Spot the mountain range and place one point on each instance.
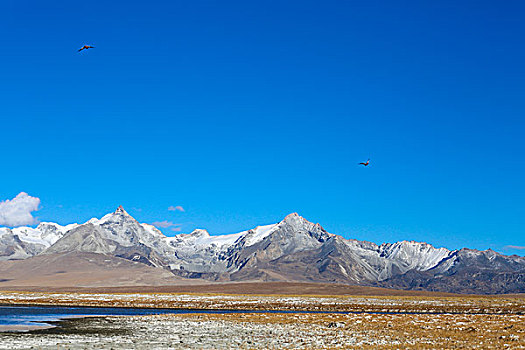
(291, 250)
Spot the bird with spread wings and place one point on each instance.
(85, 47)
(365, 163)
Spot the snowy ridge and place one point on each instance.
(415, 255)
(202, 239)
(293, 249)
(122, 229)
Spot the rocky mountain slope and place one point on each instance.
(291, 250)
(24, 242)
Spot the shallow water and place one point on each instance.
(41, 315)
(26, 317)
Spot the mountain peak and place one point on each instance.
(296, 219)
(294, 223)
(293, 219)
(120, 210)
(198, 233)
(117, 216)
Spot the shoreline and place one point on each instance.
(253, 306)
(43, 324)
(275, 331)
(351, 322)
(22, 328)
(247, 311)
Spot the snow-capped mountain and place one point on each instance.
(116, 234)
(291, 250)
(414, 255)
(24, 242)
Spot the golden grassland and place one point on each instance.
(374, 304)
(388, 331)
(372, 322)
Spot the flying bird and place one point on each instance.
(85, 47)
(365, 164)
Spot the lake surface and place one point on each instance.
(39, 315)
(26, 317)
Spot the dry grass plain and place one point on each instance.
(279, 331)
(373, 331)
(328, 303)
(371, 322)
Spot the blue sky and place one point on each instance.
(242, 112)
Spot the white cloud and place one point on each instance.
(176, 208)
(519, 247)
(17, 211)
(164, 224)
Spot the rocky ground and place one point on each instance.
(279, 331)
(468, 323)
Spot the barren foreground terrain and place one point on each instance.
(277, 331)
(374, 322)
